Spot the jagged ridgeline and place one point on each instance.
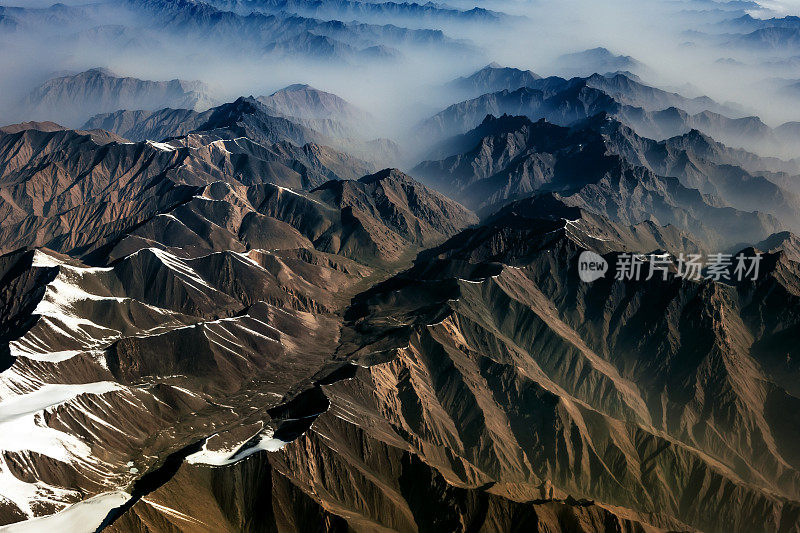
(350, 296)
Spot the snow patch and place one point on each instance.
(85, 516)
(266, 442)
(48, 357)
(43, 260)
(23, 430)
(174, 513)
(22, 426)
(219, 144)
(184, 271)
(56, 312)
(164, 147)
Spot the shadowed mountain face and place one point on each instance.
(602, 166)
(629, 91)
(784, 241)
(559, 105)
(246, 117)
(140, 125)
(652, 112)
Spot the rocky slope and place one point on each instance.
(244, 117)
(218, 334)
(65, 191)
(785, 241)
(486, 388)
(199, 247)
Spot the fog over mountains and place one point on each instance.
(310, 265)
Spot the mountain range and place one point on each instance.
(602, 166)
(291, 35)
(72, 99)
(411, 13)
(298, 114)
(652, 112)
(360, 286)
(279, 33)
(478, 372)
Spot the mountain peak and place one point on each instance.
(695, 134)
(493, 77)
(32, 125)
(492, 124)
(305, 103)
(386, 173)
(100, 71)
(73, 98)
(293, 88)
(244, 104)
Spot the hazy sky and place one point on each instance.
(402, 94)
(778, 8)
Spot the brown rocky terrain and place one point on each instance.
(403, 307)
(486, 388)
(219, 333)
(247, 258)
